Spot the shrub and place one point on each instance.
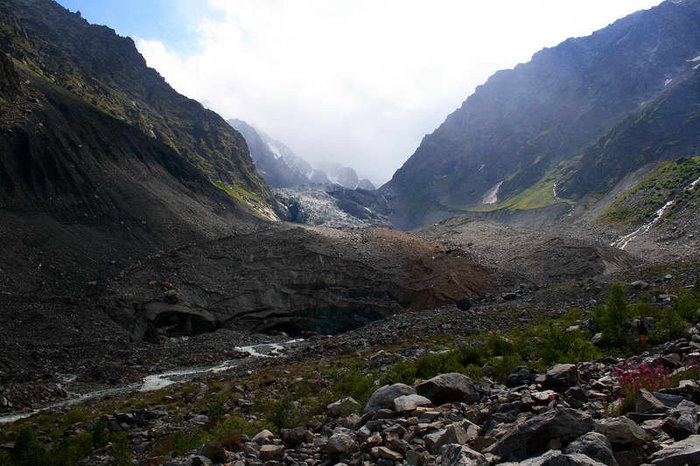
(687, 306)
(28, 450)
(285, 413)
(355, 384)
(614, 319)
(670, 327)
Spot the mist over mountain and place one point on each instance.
(282, 168)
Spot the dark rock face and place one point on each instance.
(519, 125)
(532, 436)
(444, 388)
(595, 446)
(9, 82)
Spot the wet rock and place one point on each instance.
(561, 376)
(385, 396)
(622, 431)
(532, 436)
(685, 452)
(453, 455)
(342, 406)
(521, 375)
(594, 445)
(410, 402)
(341, 444)
(445, 388)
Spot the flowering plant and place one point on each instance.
(644, 376)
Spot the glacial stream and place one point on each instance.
(622, 242)
(159, 380)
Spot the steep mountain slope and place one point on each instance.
(282, 168)
(80, 190)
(512, 141)
(107, 71)
(278, 165)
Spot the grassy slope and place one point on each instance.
(666, 183)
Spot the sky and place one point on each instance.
(358, 82)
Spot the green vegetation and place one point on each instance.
(538, 196)
(667, 182)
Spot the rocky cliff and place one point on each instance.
(521, 133)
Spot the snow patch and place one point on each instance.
(668, 81)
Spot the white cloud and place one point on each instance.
(361, 81)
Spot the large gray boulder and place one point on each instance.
(622, 431)
(561, 376)
(384, 397)
(532, 436)
(445, 388)
(557, 458)
(685, 452)
(594, 445)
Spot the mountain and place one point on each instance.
(276, 163)
(107, 72)
(101, 162)
(282, 168)
(567, 125)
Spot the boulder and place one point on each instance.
(445, 388)
(453, 455)
(384, 397)
(561, 376)
(682, 421)
(646, 402)
(685, 452)
(557, 458)
(341, 444)
(410, 402)
(594, 445)
(533, 436)
(263, 436)
(464, 303)
(521, 375)
(342, 406)
(295, 437)
(622, 431)
(272, 452)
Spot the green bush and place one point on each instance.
(353, 383)
(560, 346)
(285, 414)
(687, 305)
(614, 318)
(671, 327)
